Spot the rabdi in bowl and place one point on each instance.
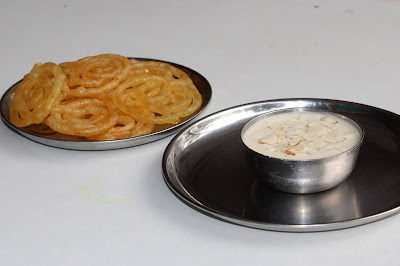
(303, 150)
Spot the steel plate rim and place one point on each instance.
(103, 145)
(322, 227)
(291, 228)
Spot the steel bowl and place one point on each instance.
(304, 176)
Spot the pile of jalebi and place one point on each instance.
(103, 97)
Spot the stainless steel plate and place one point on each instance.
(201, 83)
(207, 167)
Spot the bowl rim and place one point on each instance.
(257, 118)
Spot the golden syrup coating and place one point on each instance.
(103, 97)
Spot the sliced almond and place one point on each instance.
(299, 147)
(329, 120)
(317, 130)
(269, 139)
(295, 140)
(282, 148)
(282, 139)
(284, 127)
(321, 123)
(288, 152)
(334, 137)
(313, 124)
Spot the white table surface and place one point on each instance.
(61, 207)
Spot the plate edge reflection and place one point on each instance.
(321, 227)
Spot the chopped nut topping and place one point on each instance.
(299, 147)
(295, 140)
(334, 137)
(317, 130)
(329, 120)
(289, 152)
(304, 135)
(269, 139)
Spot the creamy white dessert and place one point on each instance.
(301, 135)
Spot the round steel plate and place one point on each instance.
(206, 166)
(201, 83)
